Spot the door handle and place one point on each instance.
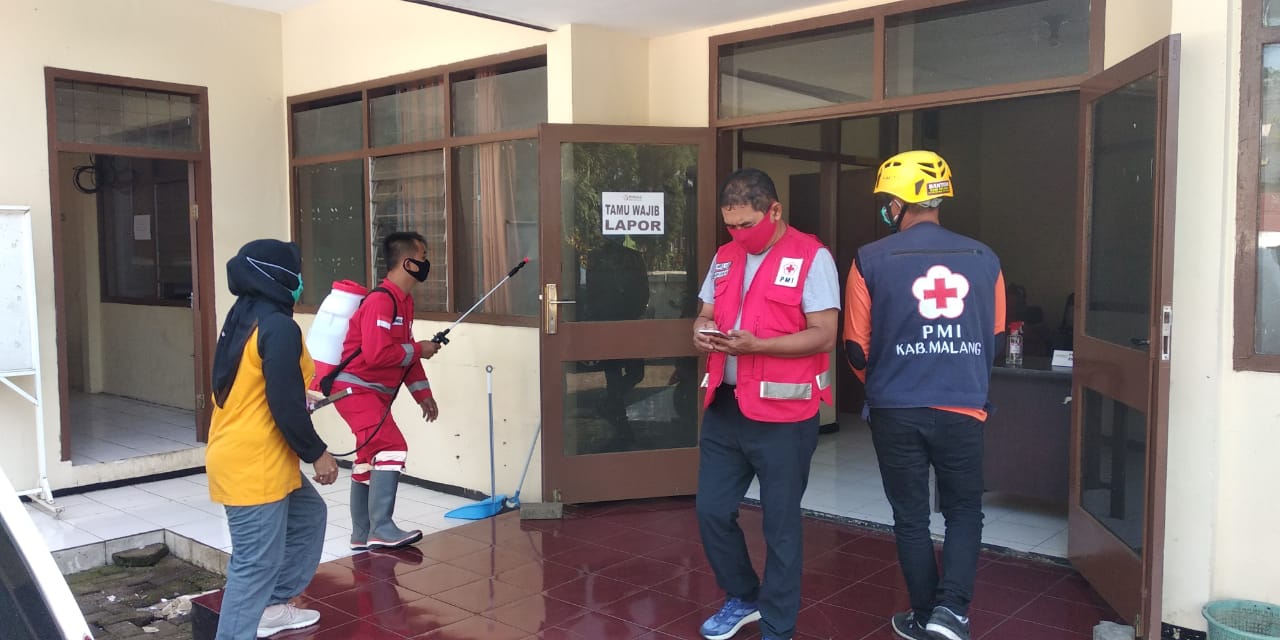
(1140, 342)
(551, 308)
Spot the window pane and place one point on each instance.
(126, 239)
(1122, 214)
(1271, 13)
(101, 114)
(331, 226)
(797, 71)
(497, 225)
(630, 405)
(408, 194)
(615, 275)
(410, 114)
(145, 237)
(977, 44)
(329, 129)
(493, 102)
(1113, 453)
(1267, 317)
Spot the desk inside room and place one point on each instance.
(1028, 436)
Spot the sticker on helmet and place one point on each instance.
(938, 188)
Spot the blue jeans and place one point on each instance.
(275, 551)
(908, 442)
(734, 449)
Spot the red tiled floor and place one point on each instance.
(537, 613)
(636, 571)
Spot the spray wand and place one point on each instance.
(442, 337)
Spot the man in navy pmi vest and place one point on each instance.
(924, 313)
(770, 310)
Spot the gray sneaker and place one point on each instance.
(944, 624)
(906, 625)
(283, 617)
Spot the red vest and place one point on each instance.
(770, 388)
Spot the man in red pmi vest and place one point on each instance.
(382, 330)
(770, 307)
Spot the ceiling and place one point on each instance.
(640, 17)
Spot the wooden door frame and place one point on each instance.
(604, 468)
(200, 187)
(1090, 551)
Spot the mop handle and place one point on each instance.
(529, 459)
(441, 338)
(493, 485)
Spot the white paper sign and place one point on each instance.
(1063, 358)
(629, 213)
(142, 227)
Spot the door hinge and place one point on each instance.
(555, 496)
(1137, 625)
(200, 401)
(1166, 331)
(195, 212)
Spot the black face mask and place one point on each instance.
(424, 267)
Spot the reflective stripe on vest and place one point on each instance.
(794, 390)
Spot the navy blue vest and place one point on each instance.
(932, 318)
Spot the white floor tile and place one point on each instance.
(1023, 534)
(83, 507)
(114, 525)
(414, 510)
(174, 488)
(213, 533)
(434, 498)
(1055, 546)
(65, 536)
(203, 503)
(169, 514)
(126, 498)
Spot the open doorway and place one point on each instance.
(127, 298)
(1015, 165)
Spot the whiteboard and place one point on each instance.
(17, 293)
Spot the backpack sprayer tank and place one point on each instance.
(329, 330)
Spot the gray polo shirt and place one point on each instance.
(821, 292)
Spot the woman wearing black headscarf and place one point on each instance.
(261, 429)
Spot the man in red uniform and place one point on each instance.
(382, 330)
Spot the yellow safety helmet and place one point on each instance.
(915, 177)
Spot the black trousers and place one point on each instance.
(908, 442)
(734, 449)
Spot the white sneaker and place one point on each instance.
(283, 617)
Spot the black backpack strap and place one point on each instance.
(326, 383)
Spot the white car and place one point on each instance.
(35, 603)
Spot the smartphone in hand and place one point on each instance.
(714, 333)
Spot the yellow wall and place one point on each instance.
(338, 42)
(1134, 24)
(236, 54)
(147, 354)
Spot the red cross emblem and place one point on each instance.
(941, 293)
(790, 268)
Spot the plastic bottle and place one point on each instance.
(1013, 353)
(329, 329)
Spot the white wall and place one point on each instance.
(147, 354)
(1222, 421)
(319, 53)
(234, 52)
(338, 42)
